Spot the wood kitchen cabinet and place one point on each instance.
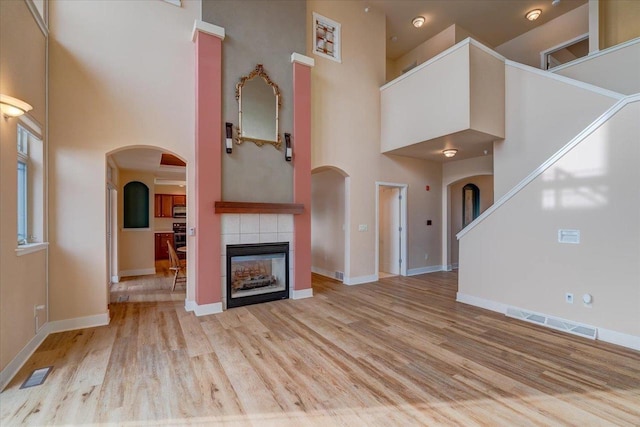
(164, 204)
(162, 251)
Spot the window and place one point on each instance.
(136, 205)
(30, 188)
(470, 204)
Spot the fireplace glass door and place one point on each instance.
(257, 273)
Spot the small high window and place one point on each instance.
(470, 204)
(30, 188)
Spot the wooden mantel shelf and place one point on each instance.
(264, 208)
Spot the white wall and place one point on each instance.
(122, 74)
(542, 115)
(616, 69)
(513, 257)
(527, 47)
(327, 222)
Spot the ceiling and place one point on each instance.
(148, 160)
(492, 22)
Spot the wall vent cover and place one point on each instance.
(339, 275)
(574, 328)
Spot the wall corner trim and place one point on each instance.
(205, 27)
(302, 294)
(206, 309)
(302, 59)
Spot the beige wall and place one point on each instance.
(346, 135)
(616, 69)
(619, 21)
(22, 279)
(513, 257)
(118, 78)
(542, 115)
(527, 47)
(327, 222)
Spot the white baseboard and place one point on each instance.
(302, 293)
(78, 323)
(360, 279)
(137, 272)
(115, 279)
(482, 303)
(27, 351)
(618, 338)
(190, 305)
(424, 270)
(606, 335)
(12, 368)
(206, 309)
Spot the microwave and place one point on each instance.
(179, 211)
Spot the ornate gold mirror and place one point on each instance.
(258, 106)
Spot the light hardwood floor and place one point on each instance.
(152, 287)
(399, 352)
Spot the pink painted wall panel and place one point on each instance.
(208, 185)
(302, 173)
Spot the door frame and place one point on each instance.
(403, 225)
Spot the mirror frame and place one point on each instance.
(258, 72)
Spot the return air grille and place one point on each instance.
(553, 323)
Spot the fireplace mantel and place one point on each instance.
(258, 208)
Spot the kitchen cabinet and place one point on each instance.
(164, 203)
(162, 251)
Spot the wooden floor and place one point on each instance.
(151, 287)
(399, 352)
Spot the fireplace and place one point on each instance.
(257, 273)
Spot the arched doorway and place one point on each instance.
(329, 219)
(136, 253)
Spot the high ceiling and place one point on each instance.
(148, 160)
(491, 21)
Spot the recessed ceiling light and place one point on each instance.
(532, 15)
(450, 152)
(418, 21)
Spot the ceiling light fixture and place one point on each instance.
(13, 107)
(449, 152)
(532, 15)
(418, 21)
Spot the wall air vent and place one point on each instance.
(339, 275)
(553, 323)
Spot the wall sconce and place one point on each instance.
(229, 140)
(287, 145)
(13, 107)
(450, 152)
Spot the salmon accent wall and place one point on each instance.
(208, 183)
(302, 168)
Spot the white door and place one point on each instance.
(389, 229)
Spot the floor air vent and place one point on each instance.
(37, 377)
(553, 322)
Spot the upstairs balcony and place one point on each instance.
(454, 100)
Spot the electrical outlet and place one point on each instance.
(568, 297)
(363, 227)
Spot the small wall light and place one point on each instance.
(13, 107)
(534, 14)
(287, 144)
(229, 140)
(418, 21)
(450, 152)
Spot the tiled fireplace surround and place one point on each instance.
(255, 228)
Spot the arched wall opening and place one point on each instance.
(456, 217)
(329, 219)
(136, 252)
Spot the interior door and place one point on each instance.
(389, 230)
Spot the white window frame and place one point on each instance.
(31, 218)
